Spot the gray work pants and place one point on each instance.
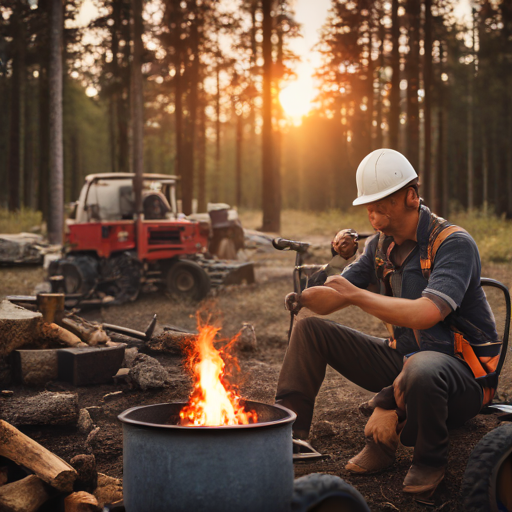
(439, 390)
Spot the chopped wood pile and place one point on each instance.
(49, 477)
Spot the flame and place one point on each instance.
(214, 400)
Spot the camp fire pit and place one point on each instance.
(169, 467)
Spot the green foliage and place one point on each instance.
(19, 221)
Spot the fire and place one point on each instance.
(214, 401)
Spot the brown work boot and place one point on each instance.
(381, 443)
(422, 479)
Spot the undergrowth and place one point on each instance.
(492, 233)
(24, 220)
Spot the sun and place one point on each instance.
(296, 99)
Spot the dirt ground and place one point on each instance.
(338, 426)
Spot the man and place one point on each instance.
(437, 369)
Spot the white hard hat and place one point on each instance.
(381, 173)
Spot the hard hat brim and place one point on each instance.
(364, 199)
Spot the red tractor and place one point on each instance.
(110, 251)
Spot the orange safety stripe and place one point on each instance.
(464, 348)
(441, 237)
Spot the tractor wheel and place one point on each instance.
(80, 273)
(125, 271)
(187, 280)
(486, 482)
(322, 493)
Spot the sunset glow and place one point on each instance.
(296, 99)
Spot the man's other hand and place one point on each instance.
(292, 302)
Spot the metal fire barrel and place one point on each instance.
(172, 468)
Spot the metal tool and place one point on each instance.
(282, 244)
(144, 336)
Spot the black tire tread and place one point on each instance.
(311, 490)
(202, 277)
(476, 483)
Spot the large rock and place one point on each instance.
(146, 372)
(18, 327)
(36, 367)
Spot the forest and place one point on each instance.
(403, 74)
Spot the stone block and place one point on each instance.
(90, 365)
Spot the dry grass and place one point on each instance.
(493, 234)
(19, 221)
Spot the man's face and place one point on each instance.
(385, 215)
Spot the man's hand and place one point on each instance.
(342, 286)
(292, 302)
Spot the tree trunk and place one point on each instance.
(217, 177)
(427, 106)
(412, 72)
(201, 168)
(371, 72)
(394, 98)
(271, 216)
(379, 136)
(187, 182)
(16, 100)
(137, 104)
(56, 211)
(238, 164)
(29, 187)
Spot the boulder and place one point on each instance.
(146, 372)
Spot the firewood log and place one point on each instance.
(51, 305)
(88, 332)
(46, 408)
(172, 342)
(24, 451)
(81, 502)
(25, 495)
(57, 333)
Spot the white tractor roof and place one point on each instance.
(125, 175)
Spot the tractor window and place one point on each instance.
(104, 200)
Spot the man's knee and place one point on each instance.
(421, 372)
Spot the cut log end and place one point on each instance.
(81, 501)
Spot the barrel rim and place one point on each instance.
(123, 418)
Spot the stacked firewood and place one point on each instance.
(50, 477)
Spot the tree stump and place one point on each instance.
(18, 327)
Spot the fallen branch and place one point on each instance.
(24, 451)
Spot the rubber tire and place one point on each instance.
(319, 492)
(479, 482)
(192, 270)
